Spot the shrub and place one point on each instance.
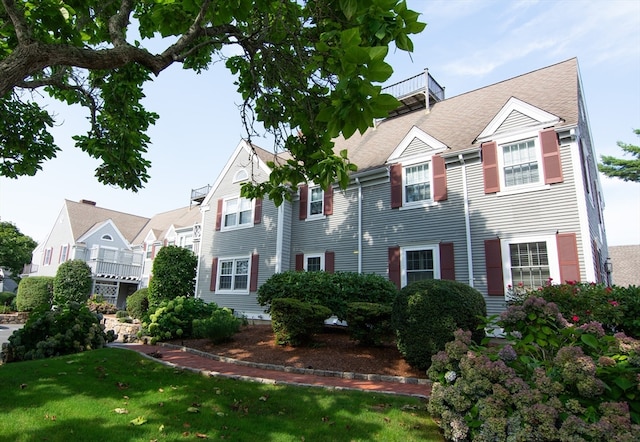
(71, 328)
(72, 282)
(295, 322)
(97, 304)
(219, 327)
(7, 298)
(426, 313)
(34, 293)
(369, 323)
(616, 308)
(174, 274)
(5, 309)
(174, 319)
(548, 380)
(332, 290)
(138, 303)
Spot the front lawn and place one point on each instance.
(117, 395)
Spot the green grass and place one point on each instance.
(75, 397)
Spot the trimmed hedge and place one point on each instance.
(72, 282)
(34, 292)
(369, 323)
(174, 275)
(332, 290)
(294, 322)
(427, 313)
(138, 303)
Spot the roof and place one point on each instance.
(457, 121)
(626, 263)
(162, 222)
(83, 216)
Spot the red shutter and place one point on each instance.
(153, 251)
(60, 254)
(329, 262)
(396, 185)
(257, 211)
(394, 265)
(568, 257)
(551, 162)
(299, 262)
(219, 215)
(490, 167)
(253, 282)
(493, 262)
(447, 263)
(439, 178)
(214, 274)
(328, 201)
(304, 195)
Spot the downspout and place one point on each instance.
(203, 210)
(467, 221)
(279, 238)
(359, 224)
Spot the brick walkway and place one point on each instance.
(216, 366)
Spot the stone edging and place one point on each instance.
(289, 369)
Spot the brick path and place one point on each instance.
(217, 366)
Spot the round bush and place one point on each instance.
(426, 314)
(295, 322)
(34, 293)
(72, 282)
(138, 303)
(7, 298)
(174, 274)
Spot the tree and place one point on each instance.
(308, 70)
(73, 282)
(627, 170)
(15, 248)
(174, 274)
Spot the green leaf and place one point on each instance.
(590, 340)
(348, 7)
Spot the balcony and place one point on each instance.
(198, 195)
(115, 264)
(418, 92)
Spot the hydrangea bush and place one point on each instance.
(546, 380)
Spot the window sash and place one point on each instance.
(314, 264)
(417, 183)
(520, 163)
(529, 264)
(420, 265)
(234, 274)
(237, 212)
(316, 201)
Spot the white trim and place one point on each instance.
(320, 215)
(240, 175)
(421, 203)
(413, 133)
(544, 118)
(236, 226)
(435, 248)
(552, 256)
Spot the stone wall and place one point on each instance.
(127, 332)
(14, 318)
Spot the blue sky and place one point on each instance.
(467, 44)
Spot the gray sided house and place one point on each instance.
(100, 237)
(496, 188)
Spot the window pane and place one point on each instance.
(241, 282)
(417, 183)
(245, 217)
(313, 264)
(419, 265)
(225, 282)
(520, 163)
(315, 201)
(529, 264)
(242, 267)
(226, 268)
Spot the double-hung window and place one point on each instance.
(64, 253)
(417, 183)
(418, 263)
(520, 163)
(316, 201)
(314, 263)
(233, 275)
(47, 256)
(237, 212)
(529, 264)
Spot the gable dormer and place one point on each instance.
(415, 144)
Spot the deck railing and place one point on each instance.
(415, 84)
(115, 270)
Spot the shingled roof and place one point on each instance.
(457, 121)
(160, 223)
(85, 215)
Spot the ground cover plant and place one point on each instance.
(116, 394)
(548, 380)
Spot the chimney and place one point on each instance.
(91, 203)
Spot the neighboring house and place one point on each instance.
(625, 262)
(495, 187)
(179, 227)
(100, 237)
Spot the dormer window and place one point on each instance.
(417, 183)
(520, 163)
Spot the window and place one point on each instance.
(520, 163)
(316, 200)
(107, 237)
(314, 263)
(233, 274)
(417, 183)
(47, 256)
(64, 253)
(529, 264)
(419, 263)
(237, 212)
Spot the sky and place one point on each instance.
(467, 44)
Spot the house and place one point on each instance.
(100, 237)
(496, 187)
